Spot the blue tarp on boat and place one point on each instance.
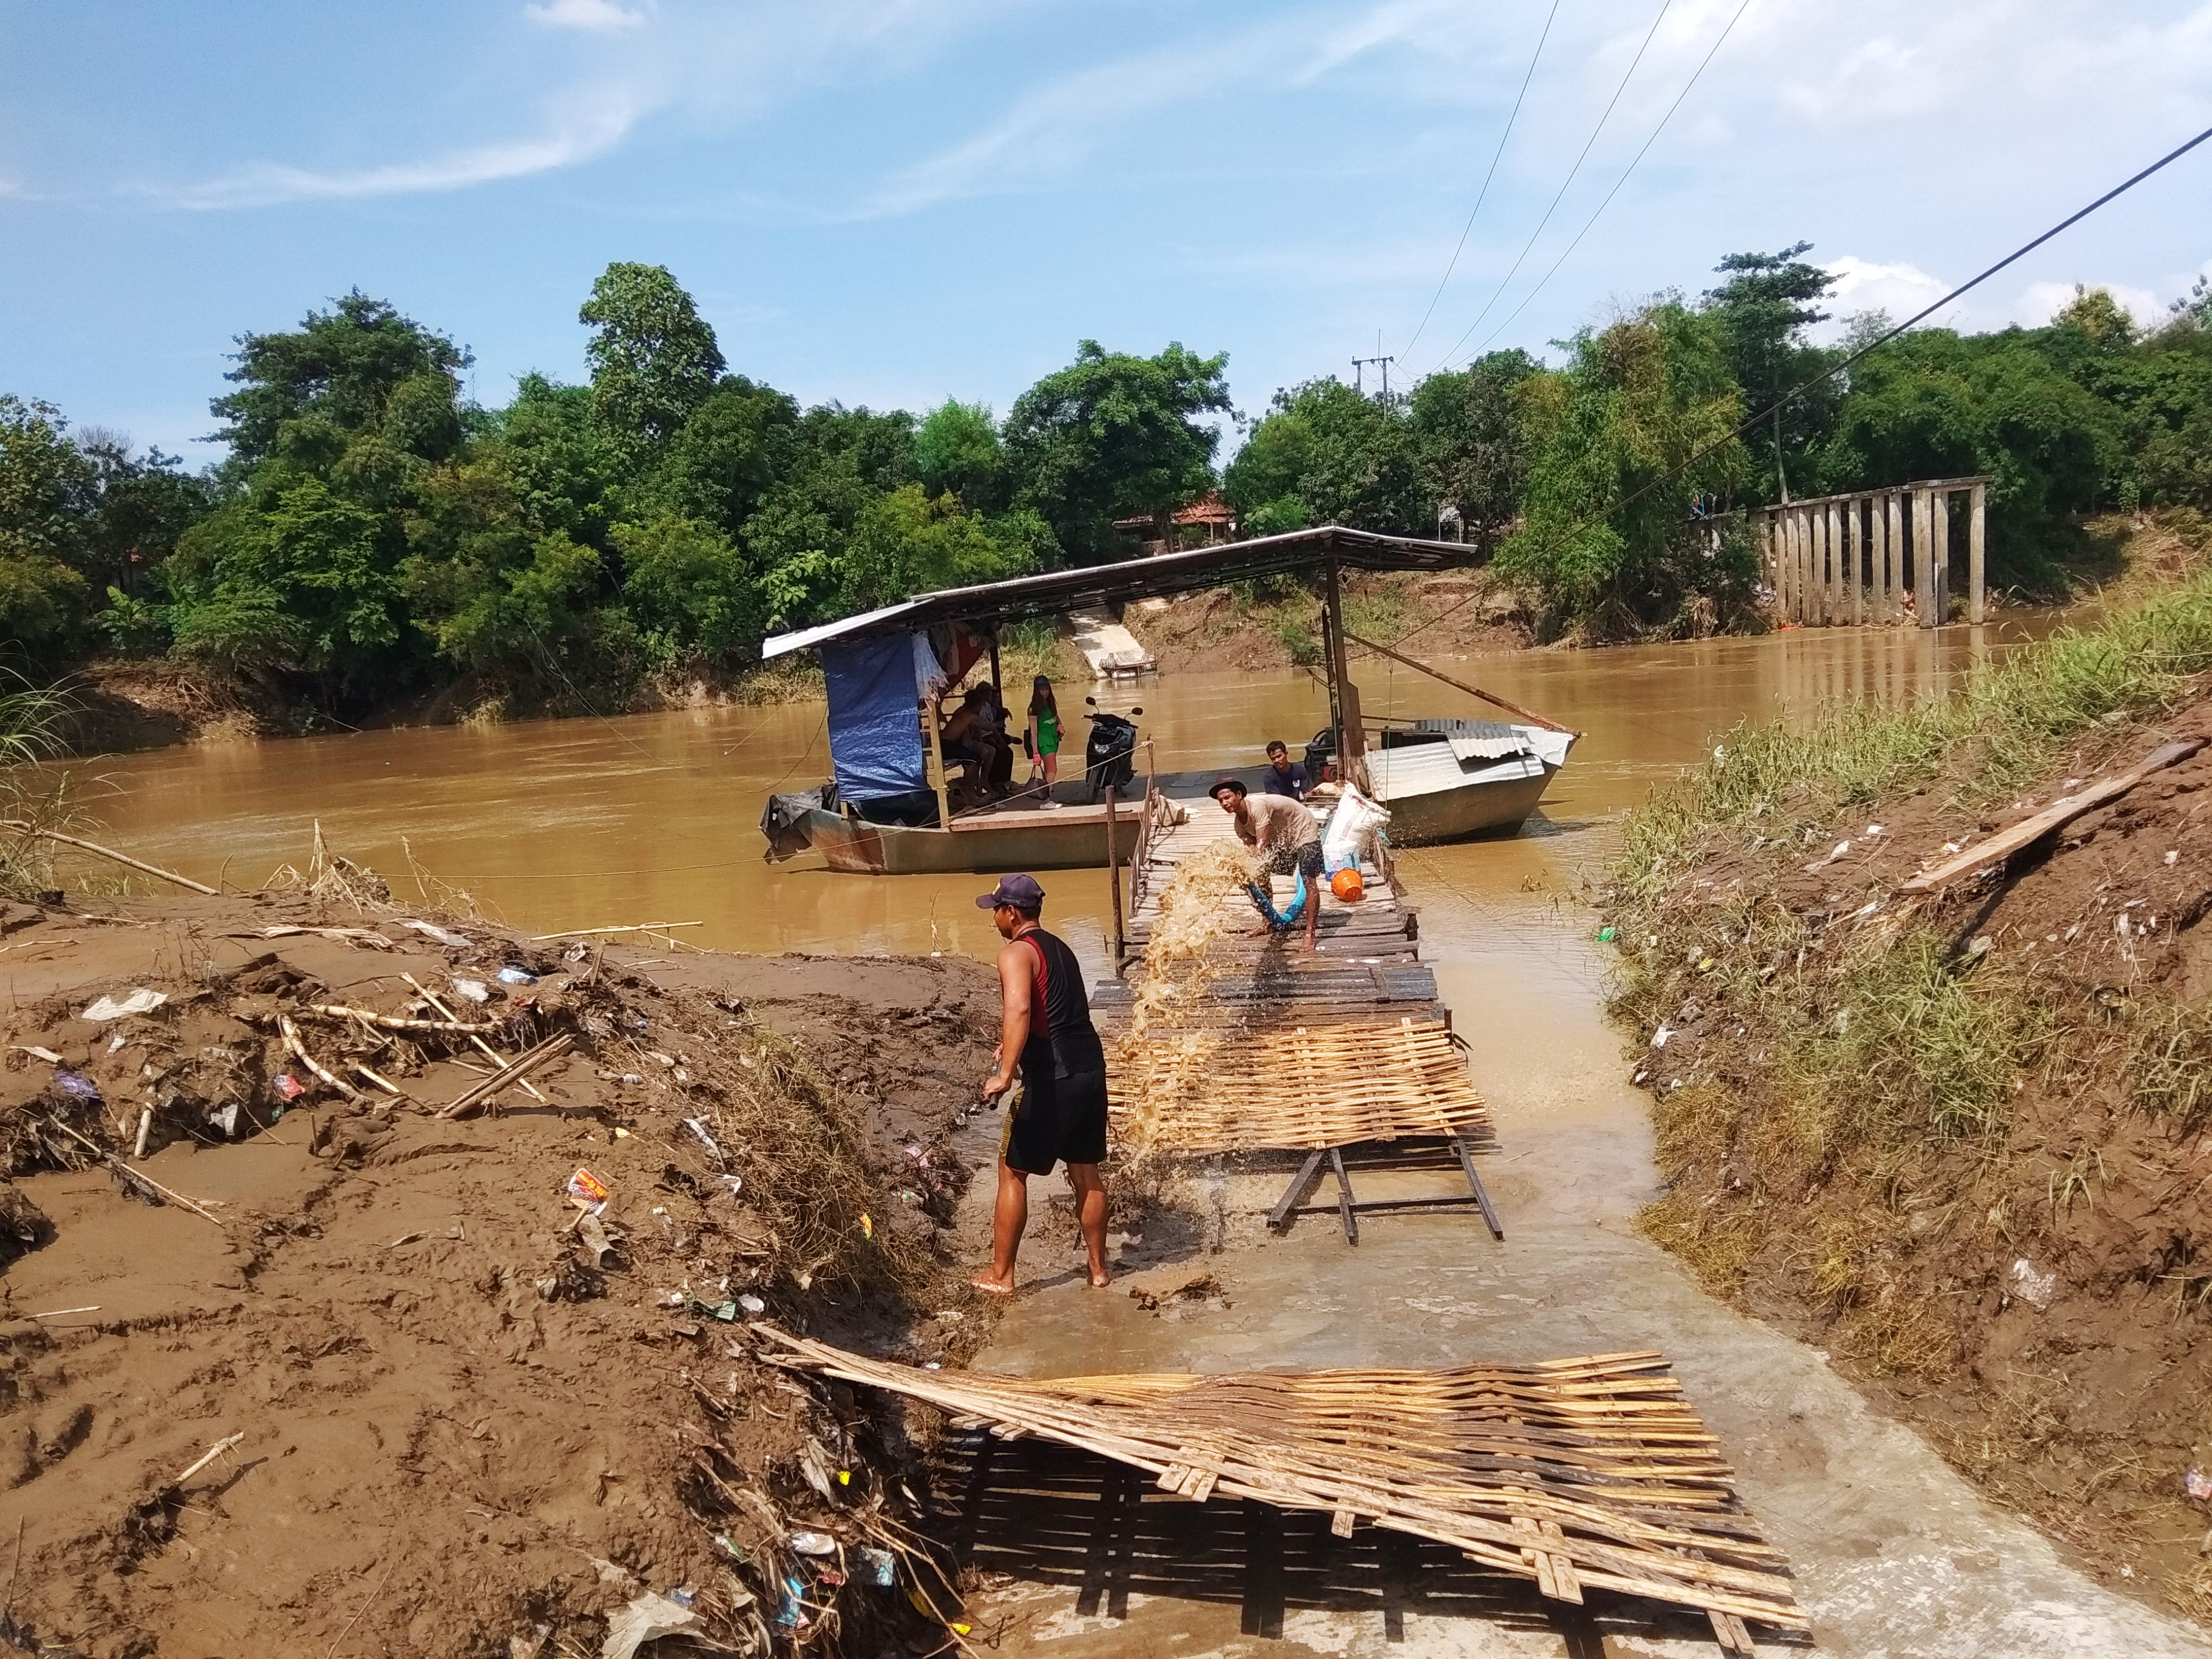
(875, 734)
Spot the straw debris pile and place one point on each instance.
(1576, 1473)
(1166, 1043)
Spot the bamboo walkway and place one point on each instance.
(1591, 1472)
(1287, 1051)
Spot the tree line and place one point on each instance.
(371, 529)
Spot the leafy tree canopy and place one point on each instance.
(654, 358)
(1113, 436)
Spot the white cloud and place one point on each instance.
(2044, 301)
(597, 16)
(265, 184)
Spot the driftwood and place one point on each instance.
(640, 928)
(129, 1174)
(213, 1452)
(367, 936)
(529, 1060)
(381, 1082)
(106, 852)
(1585, 1472)
(2055, 815)
(299, 1053)
(399, 1022)
(489, 1053)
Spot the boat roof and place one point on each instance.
(1050, 592)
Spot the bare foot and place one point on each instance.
(1100, 1281)
(991, 1285)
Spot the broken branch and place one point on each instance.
(106, 852)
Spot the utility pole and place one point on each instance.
(1358, 364)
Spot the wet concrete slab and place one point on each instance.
(1895, 1553)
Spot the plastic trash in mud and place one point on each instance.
(725, 1311)
(1605, 936)
(791, 1615)
(517, 976)
(431, 930)
(140, 1001)
(2195, 1484)
(588, 1189)
(2038, 1287)
(475, 990)
(867, 1226)
(707, 1140)
(77, 1086)
(226, 1120)
(873, 1566)
(812, 1543)
(649, 1617)
(752, 1305)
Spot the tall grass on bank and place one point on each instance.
(2016, 715)
(31, 721)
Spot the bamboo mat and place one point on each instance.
(1283, 1087)
(1591, 1472)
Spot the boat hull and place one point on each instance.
(1434, 797)
(1073, 838)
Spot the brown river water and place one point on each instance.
(653, 818)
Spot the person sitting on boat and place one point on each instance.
(1060, 1115)
(1288, 838)
(974, 732)
(1283, 776)
(1044, 733)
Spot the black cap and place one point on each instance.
(1020, 892)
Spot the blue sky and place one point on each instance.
(887, 203)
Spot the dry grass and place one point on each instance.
(1163, 1037)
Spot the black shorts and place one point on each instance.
(1059, 1117)
(1304, 858)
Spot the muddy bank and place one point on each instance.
(1958, 1139)
(1264, 625)
(468, 1414)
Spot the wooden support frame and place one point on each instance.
(1348, 1206)
(1851, 559)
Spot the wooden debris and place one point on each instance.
(213, 1452)
(367, 936)
(2055, 815)
(129, 1174)
(639, 927)
(1579, 1473)
(291, 1033)
(106, 852)
(383, 1082)
(497, 1059)
(529, 1060)
(401, 1021)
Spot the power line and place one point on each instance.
(2013, 257)
(1569, 180)
(1452, 264)
(1618, 182)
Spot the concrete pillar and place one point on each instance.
(1855, 554)
(1893, 518)
(1924, 555)
(1878, 558)
(1976, 551)
(1941, 514)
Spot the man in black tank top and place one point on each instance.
(1061, 1117)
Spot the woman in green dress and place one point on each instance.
(1044, 732)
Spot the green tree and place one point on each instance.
(654, 358)
(341, 367)
(910, 542)
(1113, 436)
(1472, 443)
(1607, 538)
(1326, 454)
(724, 456)
(1763, 310)
(47, 493)
(958, 452)
(688, 588)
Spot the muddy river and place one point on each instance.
(652, 818)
